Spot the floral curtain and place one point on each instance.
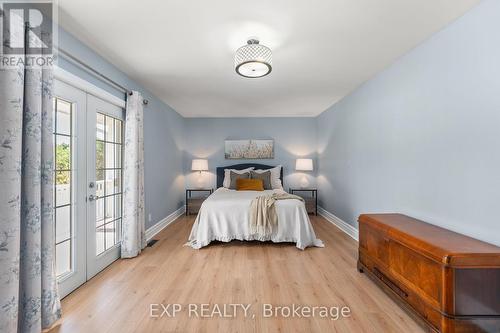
(133, 238)
(28, 286)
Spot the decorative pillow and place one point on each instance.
(249, 184)
(235, 176)
(227, 176)
(264, 176)
(275, 177)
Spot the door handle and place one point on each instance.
(93, 197)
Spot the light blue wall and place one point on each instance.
(163, 133)
(171, 141)
(293, 138)
(423, 136)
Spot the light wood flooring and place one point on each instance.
(118, 299)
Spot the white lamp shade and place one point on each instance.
(304, 164)
(199, 165)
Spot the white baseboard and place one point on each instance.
(153, 230)
(339, 223)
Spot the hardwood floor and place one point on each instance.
(118, 299)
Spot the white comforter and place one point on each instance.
(224, 216)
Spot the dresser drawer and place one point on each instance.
(420, 273)
(375, 242)
(417, 272)
(400, 289)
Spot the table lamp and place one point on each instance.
(199, 165)
(304, 164)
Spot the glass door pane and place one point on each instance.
(108, 181)
(69, 106)
(104, 171)
(63, 189)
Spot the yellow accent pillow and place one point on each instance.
(244, 184)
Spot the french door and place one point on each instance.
(88, 139)
(104, 179)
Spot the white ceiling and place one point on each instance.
(183, 50)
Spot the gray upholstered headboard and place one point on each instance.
(220, 170)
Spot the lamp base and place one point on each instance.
(304, 183)
(199, 181)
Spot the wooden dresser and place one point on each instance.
(449, 281)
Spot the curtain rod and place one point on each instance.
(94, 72)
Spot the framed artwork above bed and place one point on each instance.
(249, 149)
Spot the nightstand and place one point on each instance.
(311, 201)
(193, 204)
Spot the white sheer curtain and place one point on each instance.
(133, 238)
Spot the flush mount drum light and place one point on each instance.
(253, 60)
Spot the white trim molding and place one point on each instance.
(77, 82)
(339, 223)
(159, 226)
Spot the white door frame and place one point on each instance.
(78, 98)
(96, 263)
(79, 91)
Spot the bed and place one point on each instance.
(224, 216)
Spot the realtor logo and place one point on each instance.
(27, 28)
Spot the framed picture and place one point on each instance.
(249, 149)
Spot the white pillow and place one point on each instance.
(275, 177)
(227, 175)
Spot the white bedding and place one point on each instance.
(224, 216)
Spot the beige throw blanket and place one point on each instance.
(263, 216)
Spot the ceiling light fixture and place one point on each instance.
(253, 60)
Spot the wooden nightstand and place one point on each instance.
(193, 204)
(310, 201)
